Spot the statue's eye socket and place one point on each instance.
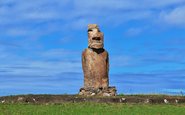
(90, 30)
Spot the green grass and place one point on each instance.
(92, 109)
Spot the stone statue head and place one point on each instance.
(95, 37)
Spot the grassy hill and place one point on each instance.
(79, 105)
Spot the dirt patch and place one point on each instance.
(58, 99)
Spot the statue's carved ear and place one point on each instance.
(84, 58)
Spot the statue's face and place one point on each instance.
(95, 38)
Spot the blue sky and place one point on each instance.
(41, 43)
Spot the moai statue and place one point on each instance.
(95, 64)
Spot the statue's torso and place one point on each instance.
(95, 67)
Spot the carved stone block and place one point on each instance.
(95, 64)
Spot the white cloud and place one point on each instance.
(175, 17)
(123, 61)
(75, 14)
(153, 4)
(60, 54)
(179, 91)
(133, 32)
(46, 68)
(67, 61)
(124, 4)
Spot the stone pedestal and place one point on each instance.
(110, 91)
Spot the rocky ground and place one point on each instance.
(57, 99)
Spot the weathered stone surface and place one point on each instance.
(110, 91)
(95, 61)
(95, 37)
(95, 64)
(95, 67)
